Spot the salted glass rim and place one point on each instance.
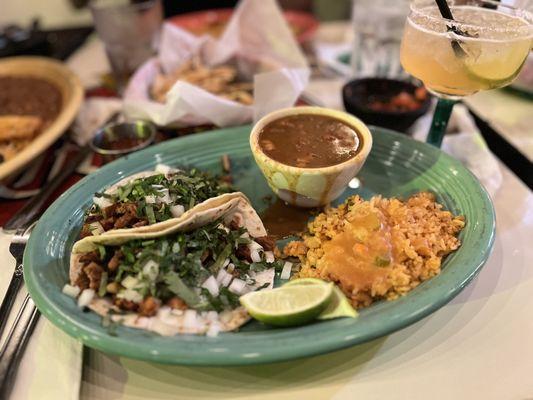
(418, 7)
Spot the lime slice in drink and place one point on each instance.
(490, 78)
(491, 69)
(338, 307)
(288, 305)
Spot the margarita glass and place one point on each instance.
(483, 48)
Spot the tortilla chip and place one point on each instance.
(11, 148)
(19, 127)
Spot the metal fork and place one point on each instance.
(15, 344)
(16, 248)
(25, 321)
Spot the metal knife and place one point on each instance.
(27, 315)
(22, 222)
(32, 209)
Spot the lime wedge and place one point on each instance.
(338, 307)
(488, 78)
(489, 69)
(288, 305)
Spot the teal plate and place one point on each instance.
(397, 166)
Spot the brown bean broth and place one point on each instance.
(309, 141)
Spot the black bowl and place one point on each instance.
(358, 93)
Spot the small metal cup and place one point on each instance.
(143, 130)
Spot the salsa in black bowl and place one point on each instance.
(388, 103)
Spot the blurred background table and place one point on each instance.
(505, 119)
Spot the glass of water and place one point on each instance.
(378, 27)
(130, 32)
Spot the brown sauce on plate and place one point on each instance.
(309, 141)
(282, 220)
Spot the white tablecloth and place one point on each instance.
(479, 346)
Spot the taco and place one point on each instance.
(185, 278)
(148, 198)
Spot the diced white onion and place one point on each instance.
(255, 246)
(150, 199)
(151, 270)
(177, 210)
(254, 254)
(286, 271)
(130, 295)
(211, 285)
(269, 257)
(227, 280)
(85, 298)
(223, 278)
(221, 275)
(211, 316)
(72, 291)
(213, 330)
(190, 319)
(96, 228)
(245, 235)
(222, 227)
(226, 263)
(248, 279)
(165, 196)
(248, 288)
(237, 286)
(101, 202)
(129, 282)
(163, 169)
(264, 277)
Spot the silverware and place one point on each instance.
(28, 315)
(30, 173)
(15, 343)
(25, 321)
(16, 248)
(23, 222)
(32, 209)
(11, 194)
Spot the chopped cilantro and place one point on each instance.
(150, 214)
(186, 260)
(180, 289)
(103, 284)
(381, 261)
(101, 251)
(186, 188)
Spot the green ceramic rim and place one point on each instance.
(397, 165)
